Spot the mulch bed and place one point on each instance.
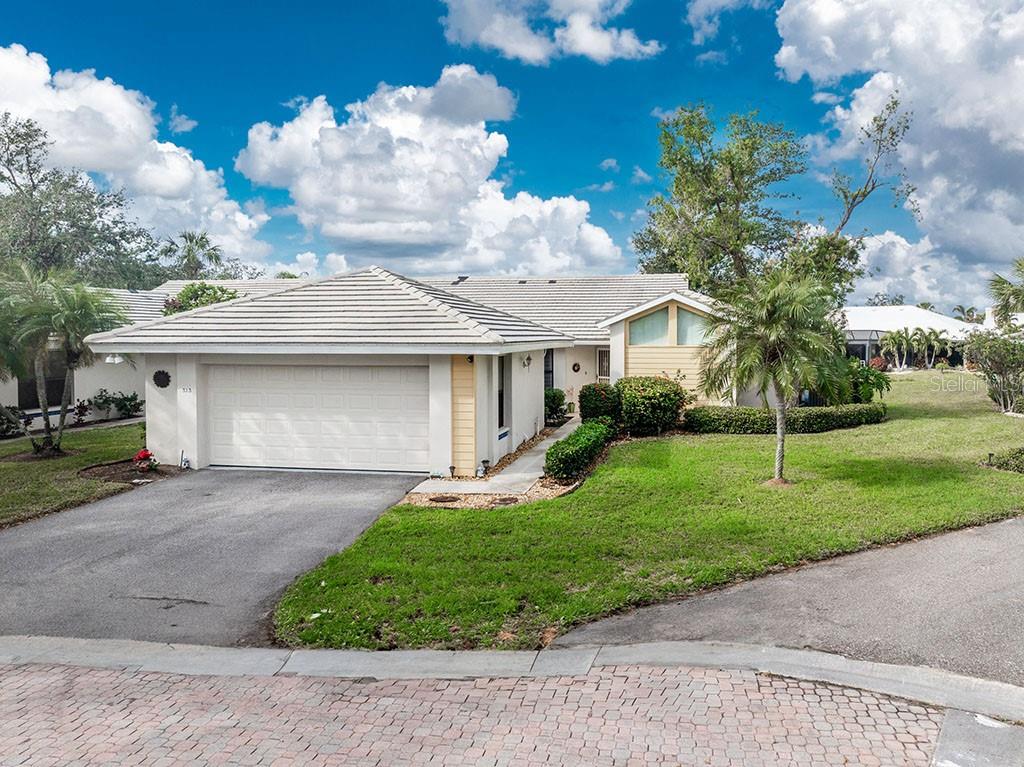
(543, 489)
(126, 473)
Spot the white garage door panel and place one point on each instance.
(346, 417)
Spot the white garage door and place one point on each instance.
(346, 417)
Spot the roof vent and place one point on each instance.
(522, 282)
(552, 282)
(461, 278)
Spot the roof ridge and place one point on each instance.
(410, 286)
(210, 307)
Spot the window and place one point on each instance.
(649, 330)
(689, 328)
(604, 363)
(549, 368)
(56, 371)
(501, 393)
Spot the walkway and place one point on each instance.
(515, 479)
(952, 601)
(90, 702)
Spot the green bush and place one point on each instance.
(8, 429)
(569, 457)
(599, 400)
(554, 406)
(714, 419)
(198, 294)
(1010, 460)
(649, 404)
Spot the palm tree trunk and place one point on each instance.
(780, 434)
(39, 365)
(65, 402)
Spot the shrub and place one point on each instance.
(570, 457)
(554, 406)
(879, 363)
(712, 419)
(597, 400)
(650, 405)
(1010, 460)
(1000, 359)
(103, 402)
(8, 429)
(127, 405)
(81, 410)
(866, 381)
(197, 294)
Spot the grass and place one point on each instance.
(661, 518)
(31, 488)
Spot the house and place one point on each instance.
(114, 374)
(371, 370)
(865, 326)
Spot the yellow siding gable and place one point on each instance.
(667, 361)
(463, 416)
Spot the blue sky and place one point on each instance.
(231, 67)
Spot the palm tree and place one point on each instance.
(926, 305)
(773, 334)
(938, 342)
(193, 253)
(51, 311)
(966, 313)
(1009, 296)
(898, 343)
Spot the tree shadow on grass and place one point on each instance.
(901, 474)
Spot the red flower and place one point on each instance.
(142, 455)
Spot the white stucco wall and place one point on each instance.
(122, 377)
(571, 381)
(9, 392)
(618, 351)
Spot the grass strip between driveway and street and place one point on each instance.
(30, 488)
(662, 518)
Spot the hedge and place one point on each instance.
(570, 457)
(599, 400)
(711, 419)
(1010, 460)
(649, 404)
(554, 406)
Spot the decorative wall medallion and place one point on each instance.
(162, 379)
(575, 367)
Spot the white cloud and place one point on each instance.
(703, 16)
(618, 215)
(408, 176)
(638, 215)
(181, 122)
(713, 58)
(536, 32)
(959, 65)
(610, 164)
(102, 127)
(607, 186)
(826, 97)
(640, 176)
(920, 271)
(309, 264)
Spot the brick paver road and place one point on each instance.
(55, 715)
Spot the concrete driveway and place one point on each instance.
(953, 601)
(199, 558)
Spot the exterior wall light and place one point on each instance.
(527, 361)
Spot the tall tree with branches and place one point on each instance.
(721, 218)
(773, 333)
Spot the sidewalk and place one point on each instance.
(118, 702)
(515, 479)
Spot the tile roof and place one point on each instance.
(242, 287)
(571, 305)
(372, 307)
(139, 305)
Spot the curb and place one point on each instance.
(927, 685)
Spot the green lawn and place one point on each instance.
(661, 518)
(31, 488)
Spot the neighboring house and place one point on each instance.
(371, 370)
(111, 372)
(865, 326)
